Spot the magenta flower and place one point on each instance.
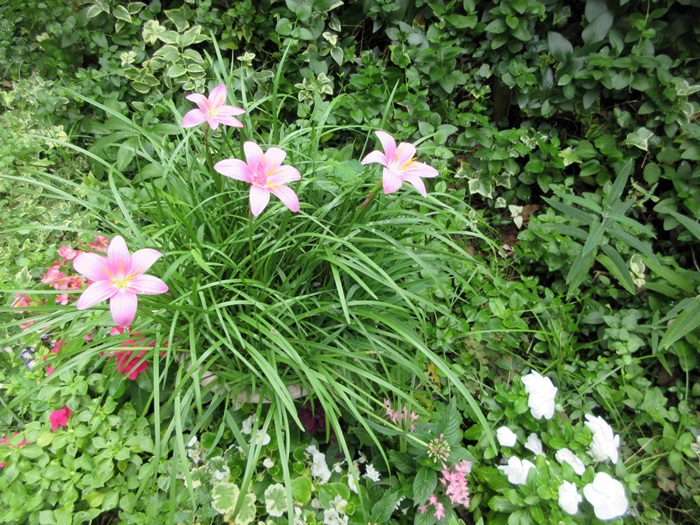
(399, 164)
(264, 171)
(59, 418)
(212, 110)
(118, 277)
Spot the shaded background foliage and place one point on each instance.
(580, 119)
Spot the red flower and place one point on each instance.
(59, 418)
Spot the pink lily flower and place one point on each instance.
(265, 173)
(399, 164)
(118, 277)
(212, 110)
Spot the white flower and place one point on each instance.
(372, 473)
(222, 474)
(517, 470)
(268, 463)
(338, 467)
(506, 437)
(541, 393)
(319, 467)
(362, 458)
(261, 438)
(333, 517)
(247, 425)
(607, 495)
(192, 442)
(605, 443)
(352, 483)
(339, 504)
(566, 456)
(534, 444)
(569, 498)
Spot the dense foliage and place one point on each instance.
(561, 236)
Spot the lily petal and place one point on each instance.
(417, 182)
(234, 168)
(201, 101)
(92, 266)
(283, 175)
(148, 285)
(193, 118)
(422, 170)
(287, 196)
(96, 293)
(259, 198)
(391, 181)
(253, 154)
(229, 111)
(229, 121)
(274, 157)
(375, 156)
(217, 96)
(123, 306)
(142, 260)
(118, 257)
(388, 143)
(405, 153)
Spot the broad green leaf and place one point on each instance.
(224, 497)
(692, 226)
(686, 322)
(384, 508)
(595, 236)
(122, 13)
(598, 29)
(570, 211)
(640, 138)
(560, 48)
(424, 484)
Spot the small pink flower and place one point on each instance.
(63, 298)
(59, 418)
(120, 278)
(100, 244)
(439, 507)
(399, 164)
(21, 300)
(212, 110)
(265, 173)
(67, 253)
(54, 277)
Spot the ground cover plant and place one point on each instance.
(361, 262)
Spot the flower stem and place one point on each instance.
(210, 163)
(251, 247)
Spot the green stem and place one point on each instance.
(251, 247)
(210, 163)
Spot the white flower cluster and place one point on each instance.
(319, 467)
(336, 514)
(605, 494)
(260, 438)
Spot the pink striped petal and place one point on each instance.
(213, 123)
(123, 307)
(201, 101)
(148, 284)
(92, 266)
(118, 258)
(234, 168)
(422, 170)
(375, 156)
(142, 260)
(287, 196)
(217, 96)
(253, 154)
(229, 121)
(96, 293)
(193, 118)
(283, 175)
(259, 197)
(388, 143)
(391, 181)
(274, 157)
(229, 111)
(416, 181)
(405, 153)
